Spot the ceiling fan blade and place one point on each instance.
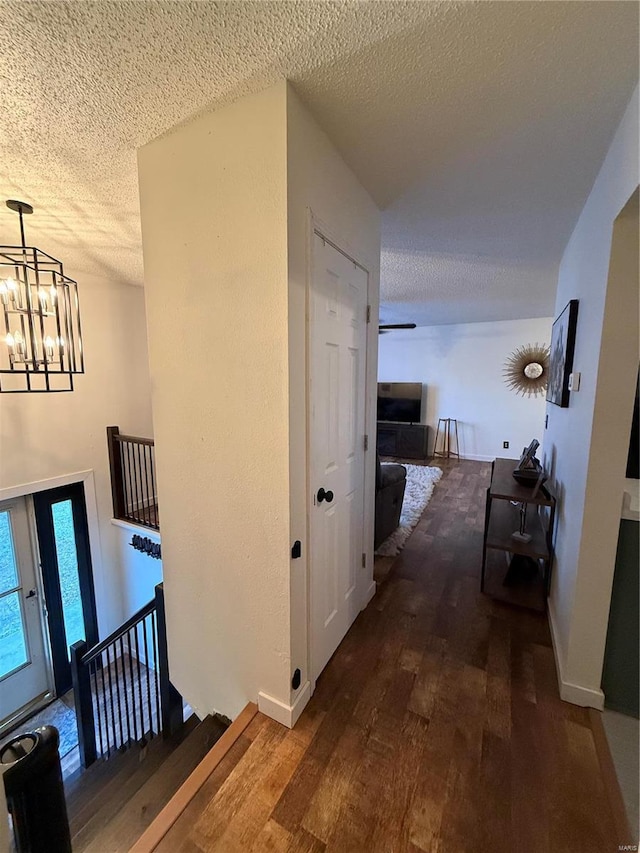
(397, 326)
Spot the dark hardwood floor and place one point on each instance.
(436, 726)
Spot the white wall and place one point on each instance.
(140, 572)
(43, 436)
(321, 186)
(213, 203)
(461, 367)
(226, 205)
(587, 443)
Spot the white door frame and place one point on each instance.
(317, 227)
(26, 490)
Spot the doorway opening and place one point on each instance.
(47, 599)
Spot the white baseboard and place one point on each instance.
(477, 458)
(282, 713)
(586, 697)
(369, 594)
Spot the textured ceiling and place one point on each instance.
(477, 127)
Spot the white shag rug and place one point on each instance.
(418, 490)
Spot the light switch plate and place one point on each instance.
(574, 381)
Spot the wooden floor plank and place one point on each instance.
(437, 726)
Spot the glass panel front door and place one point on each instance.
(24, 670)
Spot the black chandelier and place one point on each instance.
(42, 346)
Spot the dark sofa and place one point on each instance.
(390, 484)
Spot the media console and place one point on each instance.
(404, 441)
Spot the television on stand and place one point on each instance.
(400, 402)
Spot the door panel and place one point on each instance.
(63, 536)
(24, 673)
(337, 359)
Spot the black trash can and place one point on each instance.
(35, 793)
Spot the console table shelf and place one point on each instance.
(502, 519)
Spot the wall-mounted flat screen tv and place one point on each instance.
(400, 402)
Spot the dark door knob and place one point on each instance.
(31, 594)
(324, 496)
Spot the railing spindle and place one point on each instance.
(133, 687)
(153, 487)
(142, 456)
(140, 702)
(145, 470)
(127, 456)
(104, 707)
(154, 631)
(111, 707)
(146, 660)
(118, 702)
(124, 689)
(96, 702)
(142, 510)
(136, 506)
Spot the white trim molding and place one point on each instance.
(371, 591)
(586, 697)
(137, 528)
(287, 715)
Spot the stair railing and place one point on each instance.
(133, 478)
(121, 686)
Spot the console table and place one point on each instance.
(404, 441)
(502, 518)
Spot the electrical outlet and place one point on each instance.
(505, 444)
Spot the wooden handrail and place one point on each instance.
(138, 616)
(135, 439)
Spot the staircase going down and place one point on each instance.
(110, 804)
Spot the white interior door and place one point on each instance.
(337, 380)
(24, 670)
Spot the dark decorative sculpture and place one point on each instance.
(146, 546)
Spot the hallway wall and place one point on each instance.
(587, 443)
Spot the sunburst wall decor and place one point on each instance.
(526, 371)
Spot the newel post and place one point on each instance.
(170, 699)
(81, 679)
(115, 467)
